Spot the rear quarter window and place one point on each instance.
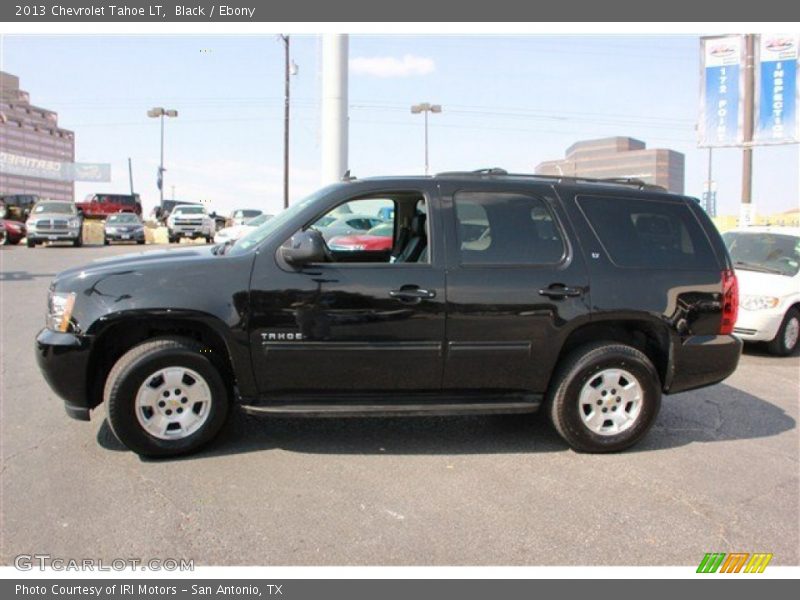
(650, 234)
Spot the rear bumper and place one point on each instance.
(703, 360)
(63, 359)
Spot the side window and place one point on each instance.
(390, 229)
(354, 232)
(506, 228)
(648, 233)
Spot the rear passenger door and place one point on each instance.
(515, 284)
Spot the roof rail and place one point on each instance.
(497, 172)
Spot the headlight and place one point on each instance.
(30, 224)
(759, 302)
(59, 310)
(74, 223)
(111, 229)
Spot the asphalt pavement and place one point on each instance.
(718, 473)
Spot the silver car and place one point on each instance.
(331, 226)
(54, 221)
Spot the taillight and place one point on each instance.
(730, 302)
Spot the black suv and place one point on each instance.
(484, 292)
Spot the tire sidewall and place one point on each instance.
(585, 371)
(785, 350)
(122, 403)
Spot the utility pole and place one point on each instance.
(286, 104)
(747, 214)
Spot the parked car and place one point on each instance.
(242, 215)
(54, 221)
(14, 230)
(591, 300)
(190, 221)
(2, 233)
(767, 262)
(346, 224)
(376, 239)
(233, 233)
(123, 227)
(17, 207)
(102, 205)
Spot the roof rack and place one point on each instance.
(498, 172)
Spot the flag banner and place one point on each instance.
(721, 94)
(776, 94)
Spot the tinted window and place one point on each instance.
(767, 252)
(506, 228)
(648, 233)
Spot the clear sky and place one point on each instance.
(508, 101)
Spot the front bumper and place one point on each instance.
(53, 236)
(758, 325)
(702, 360)
(63, 359)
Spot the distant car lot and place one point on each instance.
(718, 472)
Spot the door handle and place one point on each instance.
(412, 293)
(557, 290)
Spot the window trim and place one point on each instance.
(566, 253)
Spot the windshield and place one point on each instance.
(189, 210)
(255, 237)
(257, 221)
(123, 218)
(61, 208)
(768, 252)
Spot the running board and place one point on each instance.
(362, 407)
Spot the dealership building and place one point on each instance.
(30, 139)
(619, 157)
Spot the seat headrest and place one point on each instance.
(418, 224)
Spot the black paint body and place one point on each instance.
(331, 329)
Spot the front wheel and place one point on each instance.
(788, 337)
(78, 242)
(165, 398)
(30, 243)
(604, 397)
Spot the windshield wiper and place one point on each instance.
(756, 267)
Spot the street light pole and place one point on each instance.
(425, 108)
(159, 113)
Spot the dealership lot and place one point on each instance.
(719, 472)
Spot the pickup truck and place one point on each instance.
(190, 221)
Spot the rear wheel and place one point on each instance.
(788, 337)
(604, 397)
(165, 398)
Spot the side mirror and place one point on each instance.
(304, 247)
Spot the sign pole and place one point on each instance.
(746, 215)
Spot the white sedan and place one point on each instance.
(233, 233)
(767, 263)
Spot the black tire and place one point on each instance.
(78, 242)
(778, 346)
(106, 241)
(130, 372)
(579, 368)
(31, 243)
(140, 242)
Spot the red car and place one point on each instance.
(15, 231)
(102, 205)
(379, 238)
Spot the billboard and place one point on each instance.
(26, 166)
(721, 91)
(776, 91)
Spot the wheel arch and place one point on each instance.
(648, 335)
(113, 337)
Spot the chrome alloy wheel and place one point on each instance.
(173, 403)
(791, 333)
(610, 402)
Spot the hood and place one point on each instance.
(755, 283)
(49, 215)
(136, 261)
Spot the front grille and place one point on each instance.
(52, 224)
(189, 222)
